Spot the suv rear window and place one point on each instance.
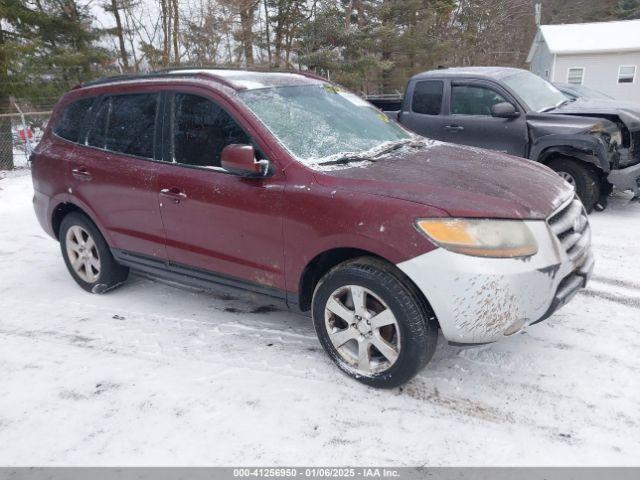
(126, 124)
(427, 97)
(72, 119)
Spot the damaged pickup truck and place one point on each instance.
(593, 144)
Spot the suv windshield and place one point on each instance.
(537, 93)
(318, 123)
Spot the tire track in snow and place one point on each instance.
(629, 301)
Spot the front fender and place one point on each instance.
(586, 147)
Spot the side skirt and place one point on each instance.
(187, 275)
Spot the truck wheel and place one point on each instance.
(87, 255)
(584, 178)
(372, 323)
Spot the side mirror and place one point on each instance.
(241, 160)
(504, 110)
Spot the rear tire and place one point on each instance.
(87, 255)
(584, 177)
(383, 340)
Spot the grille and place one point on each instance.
(571, 226)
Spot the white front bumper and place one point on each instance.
(479, 300)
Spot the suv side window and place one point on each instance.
(427, 97)
(201, 129)
(126, 124)
(473, 100)
(96, 137)
(131, 124)
(72, 119)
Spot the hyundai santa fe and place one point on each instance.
(291, 187)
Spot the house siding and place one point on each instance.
(601, 72)
(542, 61)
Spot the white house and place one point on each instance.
(603, 55)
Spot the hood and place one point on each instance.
(463, 181)
(628, 112)
(541, 124)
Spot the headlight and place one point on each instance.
(616, 138)
(479, 237)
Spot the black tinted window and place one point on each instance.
(201, 130)
(130, 128)
(427, 97)
(473, 100)
(96, 137)
(72, 119)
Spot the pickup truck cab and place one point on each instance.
(592, 145)
(289, 187)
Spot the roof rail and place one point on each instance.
(122, 78)
(192, 72)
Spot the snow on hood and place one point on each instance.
(463, 181)
(629, 112)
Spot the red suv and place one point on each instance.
(291, 187)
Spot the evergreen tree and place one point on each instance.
(45, 48)
(628, 9)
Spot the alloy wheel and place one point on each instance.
(568, 178)
(83, 254)
(363, 329)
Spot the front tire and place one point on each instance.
(584, 178)
(372, 323)
(87, 255)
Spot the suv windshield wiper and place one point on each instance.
(355, 157)
(347, 159)
(394, 146)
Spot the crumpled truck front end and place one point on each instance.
(481, 300)
(625, 171)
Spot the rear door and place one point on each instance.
(469, 120)
(115, 173)
(422, 108)
(219, 226)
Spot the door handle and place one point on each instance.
(174, 193)
(454, 128)
(81, 173)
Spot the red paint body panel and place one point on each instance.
(464, 181)
(123, 191)
(226, 224)
(266, 231)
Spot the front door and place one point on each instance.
(217, 222)
(113, 172)
(470, 121)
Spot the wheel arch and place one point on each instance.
(325, 261)
(65, 208)
(547, 154)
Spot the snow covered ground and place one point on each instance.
(157, 374)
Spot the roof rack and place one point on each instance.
(192, 72)
(133, 76)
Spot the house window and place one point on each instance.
(575, 76)
(626, 73)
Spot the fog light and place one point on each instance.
(514, 327)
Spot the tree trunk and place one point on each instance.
(176, 29)
(266, 28)
(120, 33)
(164, 14)
(6, 137)
(246, 25)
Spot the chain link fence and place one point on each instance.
(20, 132)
